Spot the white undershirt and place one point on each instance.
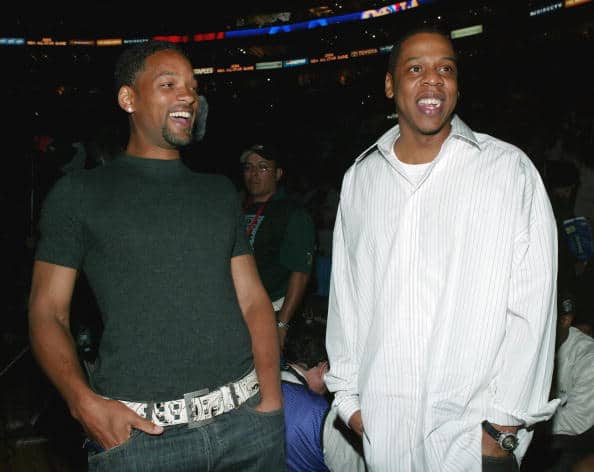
(414, 172)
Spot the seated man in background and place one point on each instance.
(316, 439)
(573, 422)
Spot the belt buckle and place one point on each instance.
(192, 412)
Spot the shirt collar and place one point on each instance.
(385, 143)
(293, 374)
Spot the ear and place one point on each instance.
(126, 98)
(279, 173)
(389, 86)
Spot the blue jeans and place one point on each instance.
(240, 440)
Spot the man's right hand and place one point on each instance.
(110, 422)
(356, 422)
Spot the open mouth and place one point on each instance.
(181, 118)
(430, 106)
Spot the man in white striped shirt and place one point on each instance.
(443, 294)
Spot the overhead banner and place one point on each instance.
(468, 31)
(573, 3)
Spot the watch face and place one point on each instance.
(509, 442)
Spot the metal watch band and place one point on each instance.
(282, 324)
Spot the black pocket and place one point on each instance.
(500, 464)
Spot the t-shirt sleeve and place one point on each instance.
(61, 235)
(296, 252)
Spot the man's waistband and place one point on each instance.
(278, 304)
(199, 407)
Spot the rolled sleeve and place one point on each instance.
(346, 406)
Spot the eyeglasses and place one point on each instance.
(261, 168)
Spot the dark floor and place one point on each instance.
(36, 432)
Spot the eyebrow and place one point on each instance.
(416, 58)
(166, 73)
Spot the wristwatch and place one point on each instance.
(507, 440)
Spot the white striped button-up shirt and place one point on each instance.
(443, 301)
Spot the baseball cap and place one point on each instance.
(267, 151)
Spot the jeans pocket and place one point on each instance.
(95, 451)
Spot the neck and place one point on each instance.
(416, 148)
(412, 153)
(562, 337)
(136, 148)
(262, 198)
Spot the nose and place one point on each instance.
(433, 77)
(188, 95)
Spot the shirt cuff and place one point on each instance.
(502, 419)
(522, 418)
(347, 406)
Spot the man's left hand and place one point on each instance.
(268, 405)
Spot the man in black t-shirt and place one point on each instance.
(186, 376)
(280, 231)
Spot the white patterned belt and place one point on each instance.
(200, 407)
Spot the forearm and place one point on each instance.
(266, 352)
(55, 351)
(295, 291)
(259, 318)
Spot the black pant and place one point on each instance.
(500, 464)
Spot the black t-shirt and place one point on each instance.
(282, 234)
(155, 241)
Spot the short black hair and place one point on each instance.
(132, 60)
(396, 48)
(305, 342)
